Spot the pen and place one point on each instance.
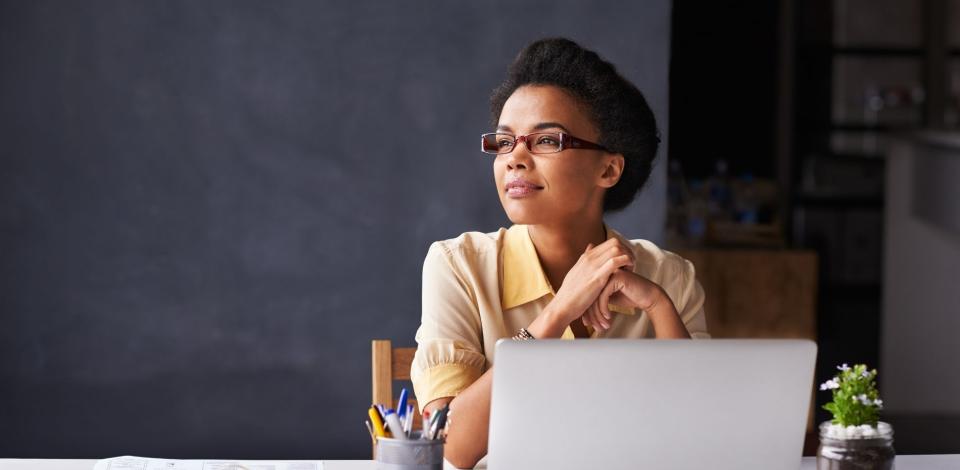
(439, 421)
(393, 423)
(432, 432)
(377, 422)
(408, 420)
(402, 403)
(373, 437)
(429, 429)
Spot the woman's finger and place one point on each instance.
(629, 249)
(609, 246)
(591, 314)
(588, 319)
(614, 250)
(598, 317)
(603, 300)
(615, 263)
(607, 249)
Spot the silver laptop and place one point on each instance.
(637, 404)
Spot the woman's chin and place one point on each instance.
(523, 215)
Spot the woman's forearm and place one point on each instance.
(469, 425)
(550, 323)
(665, 319)
(468, 432)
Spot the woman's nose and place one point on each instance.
(514, 165)
(519, 157)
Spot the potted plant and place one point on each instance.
(855, 438)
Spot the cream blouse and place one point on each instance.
(481, 287)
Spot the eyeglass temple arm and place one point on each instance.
(579, 143)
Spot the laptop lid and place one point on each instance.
(619, 403)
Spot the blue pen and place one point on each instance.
(402, 404)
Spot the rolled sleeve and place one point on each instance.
(691, 306)
(449, 354)
(440, 370)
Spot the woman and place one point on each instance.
(573, 140)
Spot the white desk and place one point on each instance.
(903, 462)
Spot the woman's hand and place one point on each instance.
(625, 289)
(587, 278)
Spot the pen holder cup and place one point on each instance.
(409, 454)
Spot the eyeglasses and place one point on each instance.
(537, 143)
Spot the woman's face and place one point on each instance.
(559, 187)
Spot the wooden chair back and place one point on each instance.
(390, 364)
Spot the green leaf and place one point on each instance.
(856, 386)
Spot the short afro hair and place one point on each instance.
(616, 107)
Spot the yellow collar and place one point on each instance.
(523, 277)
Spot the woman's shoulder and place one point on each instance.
(656, 262)
(652, 251)
(470, 243)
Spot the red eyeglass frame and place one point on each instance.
(566, 141)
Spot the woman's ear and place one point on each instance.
(612, 170)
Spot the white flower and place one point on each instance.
(865, 373)
(865, 400)
(844, 367)
(830, 384)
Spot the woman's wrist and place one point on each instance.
(550, 323)
(643, 293)
(660, 303)
(665, 318)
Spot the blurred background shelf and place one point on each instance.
(832, 86)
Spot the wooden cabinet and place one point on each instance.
(758, 293)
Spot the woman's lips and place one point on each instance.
(521, 188)
(521, 191)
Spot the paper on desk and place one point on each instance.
(143, 463)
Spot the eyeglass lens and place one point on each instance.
(536, 143)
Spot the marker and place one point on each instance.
(424, 424)
(377, 422)
(393, 423)
(402, 403)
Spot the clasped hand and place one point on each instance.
(603, 276)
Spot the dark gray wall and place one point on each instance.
(208, 209)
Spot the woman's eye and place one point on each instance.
(504, 143)
(547, 141)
